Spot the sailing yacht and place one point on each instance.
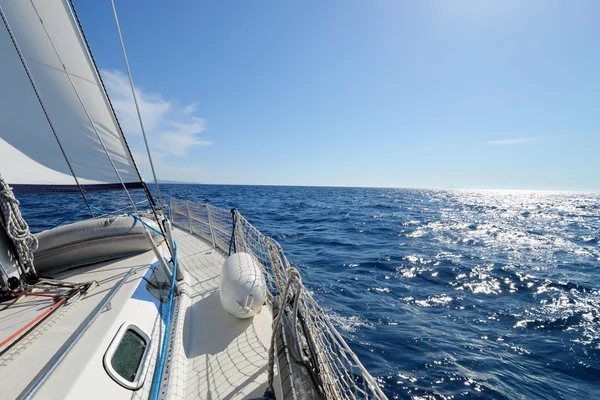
(180, 300)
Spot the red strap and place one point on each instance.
(33, 321)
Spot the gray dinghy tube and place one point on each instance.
(91, 241)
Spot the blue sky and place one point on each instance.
(472, 94)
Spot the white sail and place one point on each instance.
(76, 105)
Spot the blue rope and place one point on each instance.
(147, 225)
(101, 211)
(163, 351)
(131, 215)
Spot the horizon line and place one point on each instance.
(381, 187)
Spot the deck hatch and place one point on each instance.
(125, 359)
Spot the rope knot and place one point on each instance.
(293, 275)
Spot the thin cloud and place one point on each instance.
(171, 128)
(169, 168)
(511, 141)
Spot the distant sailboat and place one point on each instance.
(135, 304)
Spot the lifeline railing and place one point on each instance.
(336, 370)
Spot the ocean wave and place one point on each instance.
(442, 293)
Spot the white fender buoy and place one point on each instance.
(242, 289)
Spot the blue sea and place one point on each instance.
(442, 293)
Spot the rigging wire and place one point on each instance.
(136, 212)
(89, 117)
(39, 97)
(137, 107)
(109, 103)
(116, 120)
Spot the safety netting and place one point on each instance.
(313, 360)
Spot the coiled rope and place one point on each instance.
(16, 228)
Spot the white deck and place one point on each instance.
(216, 356)
(82, 369)
(213, 355)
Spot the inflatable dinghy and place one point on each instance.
(91, 241)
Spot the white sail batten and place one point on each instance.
(76, 104)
